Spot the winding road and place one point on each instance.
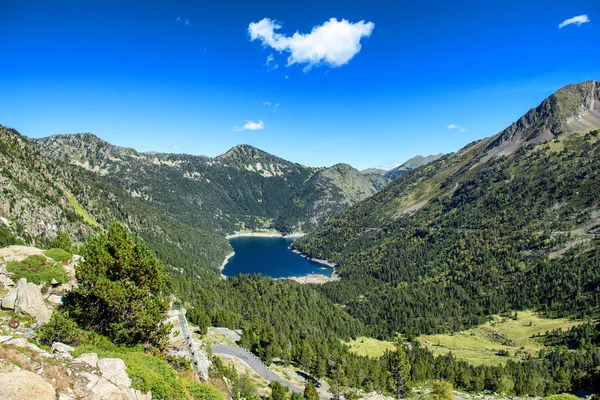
(254, 363)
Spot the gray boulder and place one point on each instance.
(27, 298)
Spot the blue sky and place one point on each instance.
(187, 76)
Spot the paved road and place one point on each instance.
(254, 363)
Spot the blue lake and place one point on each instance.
(270, 257)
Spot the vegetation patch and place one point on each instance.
(59, 255)
(81, 211)
(37, 269)
(497, 341)
(366, 346)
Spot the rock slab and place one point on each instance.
(18, 385)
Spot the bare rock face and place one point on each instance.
(27, 298)
(113, 369)
(19, 385)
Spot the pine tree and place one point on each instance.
(399, 370)
(120, 291)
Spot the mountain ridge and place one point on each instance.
(474, 232)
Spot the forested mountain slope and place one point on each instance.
(39, 196)
(243, 188)
(509, 222)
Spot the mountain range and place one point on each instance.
(508, 222)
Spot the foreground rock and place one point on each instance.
(27, 298)
(18, 385)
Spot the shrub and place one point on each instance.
(61, 241)
(38, 269)
(202, 391)
(561, 397)
(60, 329)
(442, 390)
(59, 255)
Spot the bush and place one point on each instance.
(58, 254)
(38, 269)
(442, 390)
(561, 397)
(61, 241)
(60, 329)
(202, 391)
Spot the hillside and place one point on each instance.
(243, 188)
(509, 222)
(40, 196)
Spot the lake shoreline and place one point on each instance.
(227, 257)
(272, 234)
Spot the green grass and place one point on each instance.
(37, 269)
(58, 255)
(81, 212)
(365, 346)
(480, 345)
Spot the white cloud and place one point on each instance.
(251, 126)
(333, 43)
(173, 147)
(275, 106)
(578, 20)
(454, 126)
(287, 77)
(186, 22)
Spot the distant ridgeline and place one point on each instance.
(181, 205)
(508, 222)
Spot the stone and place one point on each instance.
(18, 253)
(55, 299)
(21, 342)
(19, 385)
(3, 269)
(6, 281)
(5, 338)
(58, 347)
(9, 300)
(27, 298)
(100, 388)
(114, 370)
(90, 359)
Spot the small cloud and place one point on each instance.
(271, 67)
(333, 43)
(578, 20)
(287, 77)
(185, 22)
(454, 126)
(269, 104)
(173, 147)
(251, 126)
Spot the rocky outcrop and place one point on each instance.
(18, 385)
(113, 382)
(27, 298)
